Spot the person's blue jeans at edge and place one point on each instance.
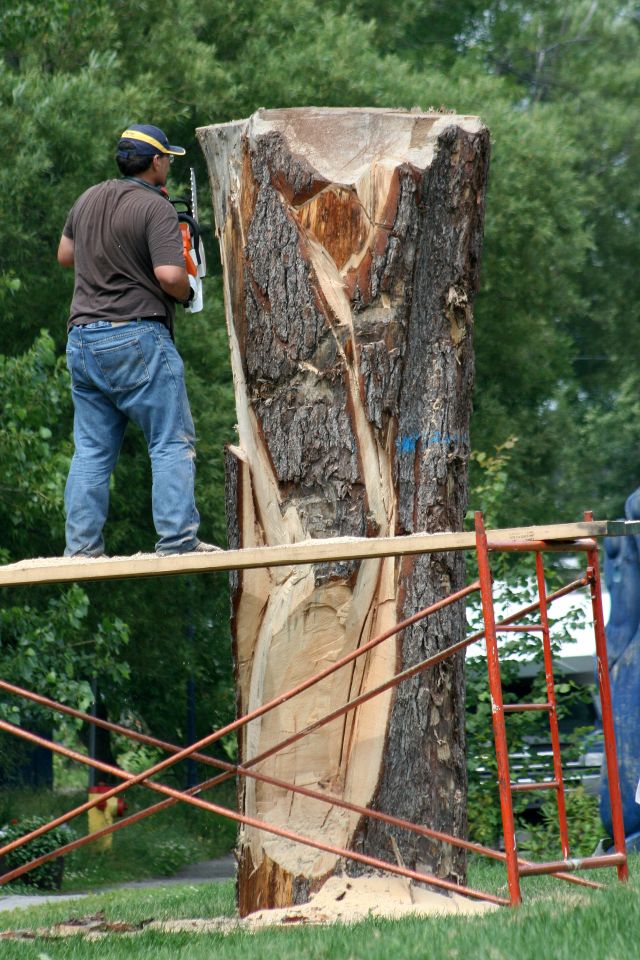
(120, 373)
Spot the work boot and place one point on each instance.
(203, 547)
(200, 547)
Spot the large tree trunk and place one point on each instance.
(350, 244)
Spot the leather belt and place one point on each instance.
(119, 323)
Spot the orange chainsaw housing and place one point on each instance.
(187, 248)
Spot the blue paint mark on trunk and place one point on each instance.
(409, 442)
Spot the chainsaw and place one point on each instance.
(187, 210)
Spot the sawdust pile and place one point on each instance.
(348, 900)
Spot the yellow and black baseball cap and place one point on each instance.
(145, 140)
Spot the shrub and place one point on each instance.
(49, 875)
(583, 825)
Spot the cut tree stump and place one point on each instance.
(350, 243)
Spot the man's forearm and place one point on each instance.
(178, 290)
(174, 281)
(66, 252)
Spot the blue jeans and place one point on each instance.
(119, 373)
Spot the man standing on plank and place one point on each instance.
(123, 240)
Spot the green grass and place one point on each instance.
(132, 905)
(155, 847)
(557, 922)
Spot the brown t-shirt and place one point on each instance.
(121, 230)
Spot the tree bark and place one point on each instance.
(350, 243)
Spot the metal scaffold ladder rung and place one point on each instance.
(537, 785)
(527, 707)
(577, 863)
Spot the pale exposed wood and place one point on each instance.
(350, 242)
(69, 569)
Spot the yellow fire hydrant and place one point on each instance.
(103, 815)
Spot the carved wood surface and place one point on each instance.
(350, 243)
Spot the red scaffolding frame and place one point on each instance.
(516, 866)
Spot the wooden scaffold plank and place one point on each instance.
(69, 569)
